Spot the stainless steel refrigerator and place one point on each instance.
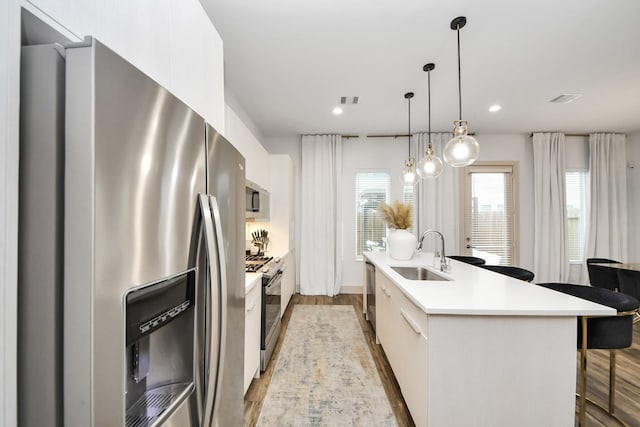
(131, 278)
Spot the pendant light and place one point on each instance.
(409, 175)
(430, 166)
(462, 149)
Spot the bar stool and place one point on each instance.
(607, 333)
(629, 282)
(602, 277)
(473, 260)
(515, 272)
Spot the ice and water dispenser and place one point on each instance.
(159, 348)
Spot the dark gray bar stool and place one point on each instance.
(515, 272)
(473, 260)
(608, 333)
(602, 277)
(629, 282)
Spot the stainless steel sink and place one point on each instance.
(418, 273)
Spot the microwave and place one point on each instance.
(257, 202)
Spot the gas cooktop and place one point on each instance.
(254, 263)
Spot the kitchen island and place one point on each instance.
(478, 348)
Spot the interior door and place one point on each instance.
(489, 210)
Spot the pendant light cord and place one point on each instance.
(409, 136)
(429, 105)
(459, 78)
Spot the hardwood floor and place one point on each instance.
(258, 388)
(627, 374)
(627, 399)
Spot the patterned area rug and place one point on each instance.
(325, 375)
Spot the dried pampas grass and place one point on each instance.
(397, 215)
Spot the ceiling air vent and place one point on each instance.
(566, 98)
(346, 100)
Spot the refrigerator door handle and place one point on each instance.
(222, 271)
(213, 371)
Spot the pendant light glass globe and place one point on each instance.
(462, 150)
(430, 166)
(409, 176)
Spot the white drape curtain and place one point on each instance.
(321, 221)
(551, 261)
(607, 231)
(437, 199)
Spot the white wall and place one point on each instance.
(633, 199)
(172, 42)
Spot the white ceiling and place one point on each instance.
(287, 62)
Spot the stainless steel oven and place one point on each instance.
(271, 269)
(270, 322)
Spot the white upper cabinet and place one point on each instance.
(257, 164)
(172, 42)
(282, 225)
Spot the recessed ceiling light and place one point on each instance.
(495, 108)
(337, 111)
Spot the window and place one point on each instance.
(489, 212)
(576, 215)
(408, 197)
(371, 189)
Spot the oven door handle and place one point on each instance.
(274, 279)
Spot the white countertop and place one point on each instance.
(476, 291)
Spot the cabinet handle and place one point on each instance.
(252, 307)
(410, 321)
(386, 292)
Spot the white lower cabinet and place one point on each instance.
(412, 345)
(401, 328)
(252, 334)
(384, 332)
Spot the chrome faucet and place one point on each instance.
(444, 266)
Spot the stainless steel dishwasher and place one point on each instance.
(371, 293)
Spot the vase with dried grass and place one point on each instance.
(401, 243)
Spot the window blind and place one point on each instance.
(491, 215)
(576, 215)
(408, 197)
(371, 189)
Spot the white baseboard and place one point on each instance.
(351, 289)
